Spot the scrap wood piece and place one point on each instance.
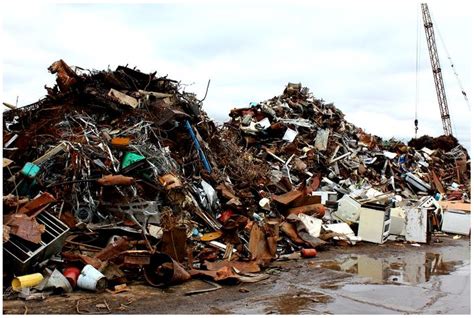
(25, 227)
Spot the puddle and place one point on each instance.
(410, 269)
(299, 303)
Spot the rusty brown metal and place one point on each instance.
(288, 197)
(111, 180)
(258, 246)
(66, 76)
(174, 243)
(25, 227)
(37, 205)
(317, 209)
(113, 249)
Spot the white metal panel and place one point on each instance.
(456, 222)
(372, 226)
(417, 223)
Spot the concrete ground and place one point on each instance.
(393, 278)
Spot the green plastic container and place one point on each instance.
(30, 170)
(130, 158)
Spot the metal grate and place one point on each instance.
(22, 254)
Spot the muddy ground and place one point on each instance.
(393, 278)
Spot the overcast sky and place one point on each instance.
(359, 55)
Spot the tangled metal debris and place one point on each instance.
(118, 176)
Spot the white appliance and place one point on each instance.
(326, 195)
(374, 223)
(456, 222)
(417, 222)
(397, 222)
(348, 209)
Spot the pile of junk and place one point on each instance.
(119, 176)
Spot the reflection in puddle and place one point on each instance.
(297, 303)
(413, 269)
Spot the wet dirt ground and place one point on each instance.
(393, 278)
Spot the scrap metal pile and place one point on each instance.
(120, 176)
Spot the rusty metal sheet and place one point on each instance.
(290, 230)
(113, 249)
(66, 76)
(174, 243)
(36, 205)
(258, 246)
(288, 197)
(317, 208)
(137, 259)
(306, 200)
(25, 227)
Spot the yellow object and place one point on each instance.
(26, 281)
(211, 236)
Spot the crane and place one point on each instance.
(436, 68)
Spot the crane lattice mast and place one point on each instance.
(436, 67)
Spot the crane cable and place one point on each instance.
(463, 92)
(417, 69)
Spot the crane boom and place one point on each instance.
(436, 67)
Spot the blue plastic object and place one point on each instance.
(206, 164)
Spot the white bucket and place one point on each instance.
(91, 279)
